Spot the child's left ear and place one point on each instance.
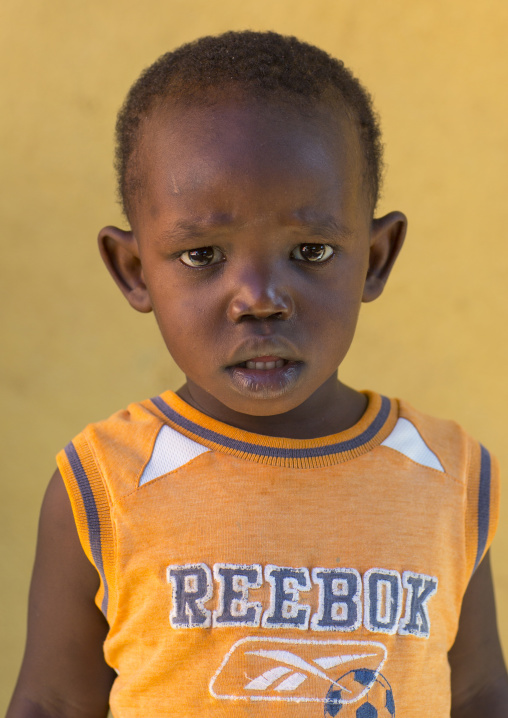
(386, 239)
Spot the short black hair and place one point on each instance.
(259, 64)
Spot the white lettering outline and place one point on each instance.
(392, 629)
(199, 601)
(356, 598)
(409, 600)
(290, 587)
(243, 587)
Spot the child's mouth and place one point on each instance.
(263, 363)
(265, 376)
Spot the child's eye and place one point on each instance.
(312, 252)
(201, 257)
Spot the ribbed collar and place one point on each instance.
(374, 426)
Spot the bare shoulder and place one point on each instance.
(63, 670)
(478, 674)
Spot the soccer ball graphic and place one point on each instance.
(376, 702)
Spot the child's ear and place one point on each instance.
(120, 253)
(386, 239)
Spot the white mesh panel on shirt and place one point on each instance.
(406, 440)
(171, 450)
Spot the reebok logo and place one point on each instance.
(299, 670)
(383, 600)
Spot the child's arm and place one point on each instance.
(479, 677)
(63, 673)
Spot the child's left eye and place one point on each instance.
(312, 252)
(201, 257)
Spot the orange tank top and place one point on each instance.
(245, 575)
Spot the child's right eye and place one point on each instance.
(201, 257)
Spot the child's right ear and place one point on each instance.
(120, 253)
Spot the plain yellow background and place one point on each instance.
(73, 351)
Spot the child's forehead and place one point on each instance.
(249, 138)
(200, 121)
(248, 164)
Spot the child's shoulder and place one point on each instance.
(444, 446)
(123, 439)
(443, 443)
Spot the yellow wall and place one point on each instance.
(74, 351)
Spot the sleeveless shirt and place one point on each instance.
(246, 575)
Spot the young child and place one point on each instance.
(267, 541)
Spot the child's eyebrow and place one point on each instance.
(326, 227)
(184, 230)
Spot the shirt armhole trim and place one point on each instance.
(483, 505)
(484, 497)
(91, 509)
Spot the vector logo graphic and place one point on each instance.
(297, 670)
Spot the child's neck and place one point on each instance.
(334, 407)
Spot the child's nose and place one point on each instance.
(257, 295)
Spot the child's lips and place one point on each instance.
(264, 367)
(265, 376)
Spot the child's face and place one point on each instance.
(256, 244)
